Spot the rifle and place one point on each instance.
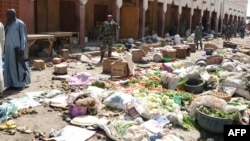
(21, 60)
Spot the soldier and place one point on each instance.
(198, 35)
(107, 32)
(228, 32)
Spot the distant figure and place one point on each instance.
(198, 35)
(16, 71)
(108, 31)
(228, 32)
(2, 38)
(242, 31)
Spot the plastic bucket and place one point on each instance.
(167, 59)
(194, 85)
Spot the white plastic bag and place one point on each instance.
(119, 100)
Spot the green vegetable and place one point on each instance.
(215, 112)
(122, 126)
(188, 123)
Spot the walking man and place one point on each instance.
(108, 31)
(16, 71)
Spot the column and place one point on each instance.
(208, 22)
(155, 16)
(190, 20)
(143, 4)
(217, 23)
(178, 19)
(82, 21)
(117, 7)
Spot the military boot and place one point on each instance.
(102, 56)
(110, 52)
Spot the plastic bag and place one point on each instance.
(231, 82)
(119, 100)
(206, 100)
(7, 110)
(243, 93)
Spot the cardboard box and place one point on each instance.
(119, 69)
(107, 63)
(39, 64)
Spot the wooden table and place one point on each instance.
(63, 35)
(32, 38)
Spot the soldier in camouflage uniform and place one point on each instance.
(198, 35)
(228, 32)
(107, 32)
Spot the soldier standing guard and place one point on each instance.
(228, 32)
(107, 33)
(198, 35)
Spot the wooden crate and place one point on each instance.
(107, 63)
(119, 69)
(38, 64)
(137, 55)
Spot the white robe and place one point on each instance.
(2, 40)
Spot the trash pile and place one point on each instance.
(159, 97)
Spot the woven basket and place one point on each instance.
(171, 53)
(192, 47)
(221, 95)
(181, 53)
(216, 59)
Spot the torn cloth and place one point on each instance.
(81, 79)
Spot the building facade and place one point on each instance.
(137, 18)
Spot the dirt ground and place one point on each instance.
(48, 118)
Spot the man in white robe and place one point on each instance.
(16, 67)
